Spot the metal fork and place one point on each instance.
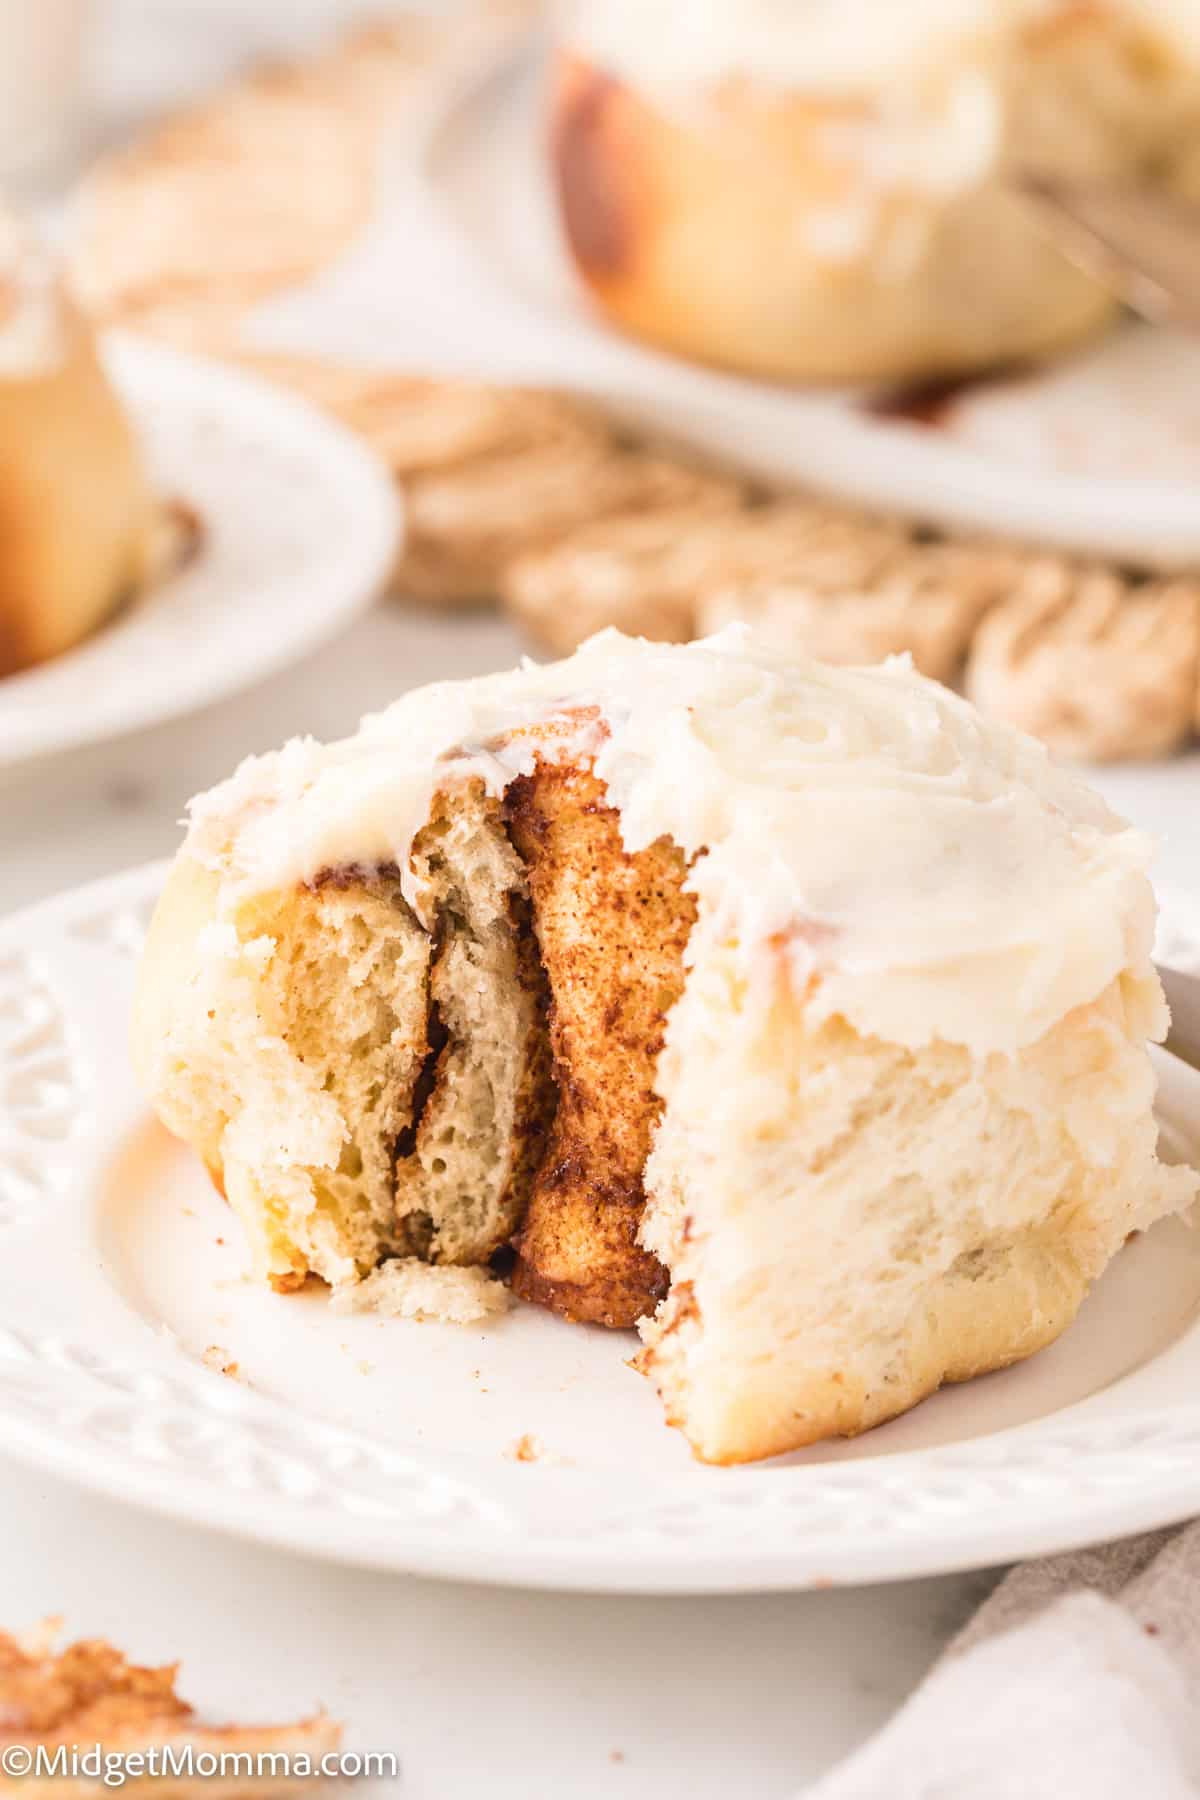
(1141, 241)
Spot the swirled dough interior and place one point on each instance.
(795, 1012)
(77, 524)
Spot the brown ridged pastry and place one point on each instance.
(267, 181)
(837, 582)
(1097, 663)
(466, 525)
(646, 573)
(637, 572)
(740, 199)
(925, 599)
(78, 529)
(257, 188)
(89, 1694)
(650, 575)
(490, 472)
(427, 424)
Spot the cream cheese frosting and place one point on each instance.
(936, 872)
(32, 309)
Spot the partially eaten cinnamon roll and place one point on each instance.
(791, 1013)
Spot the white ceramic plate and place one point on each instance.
(299, 528)
(389, 1443)
(1099, 453)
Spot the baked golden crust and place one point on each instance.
(77, 525)
(654, 203)
(1030, 1294)
(612, 928)
(953, 1229)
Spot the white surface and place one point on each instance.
(390, 1444)
(519, 1696)
(486, 1692)
(298, 533)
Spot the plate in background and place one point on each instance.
(1100, 452)
(136, 1360)
(298, 532)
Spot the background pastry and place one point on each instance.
(78, 530)
(1096, 662)
(464, 526)
(836, 582)
(795, 1013)
(489, 473)
(926, 596)
(808, 189)
(262, 185)
(89, 1697)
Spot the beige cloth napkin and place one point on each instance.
(1078, 1679)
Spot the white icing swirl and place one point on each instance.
(937, 872)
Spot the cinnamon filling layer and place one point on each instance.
(611, 929)
(556, 958)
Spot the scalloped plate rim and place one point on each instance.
(1153, 1483)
